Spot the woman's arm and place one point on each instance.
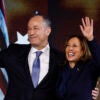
(87, 31)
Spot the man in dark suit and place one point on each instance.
(18, 61)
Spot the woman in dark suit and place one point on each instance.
(82, 69)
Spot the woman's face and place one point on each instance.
(73, 50)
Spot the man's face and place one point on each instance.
(38, 32)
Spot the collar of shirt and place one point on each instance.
(44, 50)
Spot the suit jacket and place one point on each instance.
(77, 83)
(20, 87)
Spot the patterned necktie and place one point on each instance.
(36, 69)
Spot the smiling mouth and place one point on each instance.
(70, 54)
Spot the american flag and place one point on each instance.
(4, 43)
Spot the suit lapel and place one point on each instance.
(52, 64)
(27, 71)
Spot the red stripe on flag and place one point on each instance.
(2, 7)
(2, 83)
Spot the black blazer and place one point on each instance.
(78, 83)
(20, 87)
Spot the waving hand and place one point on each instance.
(87, 28)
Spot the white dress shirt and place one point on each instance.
(44, 61)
